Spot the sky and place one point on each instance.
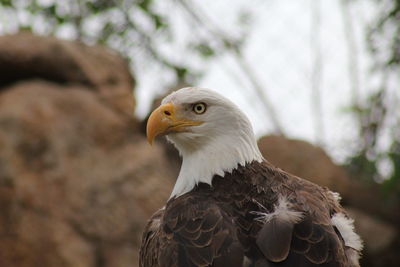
(281, 47)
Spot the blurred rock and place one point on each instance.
(77, 178)
(381, 239)
(376, 234)
(25, 56)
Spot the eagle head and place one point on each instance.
(211, 133)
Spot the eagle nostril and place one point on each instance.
(166, 112)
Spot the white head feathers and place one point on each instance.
(224, 140)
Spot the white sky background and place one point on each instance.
(279, 49)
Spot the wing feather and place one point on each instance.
(200, 234)
(274, 239)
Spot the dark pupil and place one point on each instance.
(199, 108)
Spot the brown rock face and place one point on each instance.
(25, 56)
(77, 179)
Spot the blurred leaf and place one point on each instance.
(159, 22)
(145, 5)
(51, 10)
(352, 109)
(6, 2)
(392, 185)
(360, 166)
(34, 8)
(244, 18)
(204, 49)
(99, 6)
(106, 32)
(26, 28)
(181, 72)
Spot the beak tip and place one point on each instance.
(150, 140)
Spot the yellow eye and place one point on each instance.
(199, 108)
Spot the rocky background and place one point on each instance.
(78, 179)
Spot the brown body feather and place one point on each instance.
(218, 225)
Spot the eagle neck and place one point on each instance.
(221, 156)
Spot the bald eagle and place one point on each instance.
(229, 206)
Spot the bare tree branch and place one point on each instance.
(317, 70)
(352, 52)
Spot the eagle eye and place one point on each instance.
(199, 108)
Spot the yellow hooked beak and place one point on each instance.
(165, 120)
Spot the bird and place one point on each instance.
(230, 206)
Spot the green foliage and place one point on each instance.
(360, 166)
(376, 113)
(6, 2)
(392, 185)
(388, 25)
(204, 49)
(364, 164)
